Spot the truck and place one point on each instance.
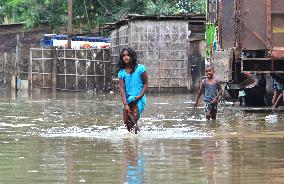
(245, 40)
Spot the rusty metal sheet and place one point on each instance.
(212, 11)
(226, 23)
(222, 62)
(277, 23)
(254, 24)
(278, 54)
(277, 5)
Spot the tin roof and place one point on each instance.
(191, 18)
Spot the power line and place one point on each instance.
(104, 6)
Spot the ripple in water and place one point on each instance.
(149, 130)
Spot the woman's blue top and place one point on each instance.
(134, 85)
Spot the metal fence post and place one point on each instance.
(30, 72)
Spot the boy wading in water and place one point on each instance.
(212, 90)
(133, 83)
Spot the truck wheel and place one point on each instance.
(269, 91)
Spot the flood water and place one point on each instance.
(80, 138)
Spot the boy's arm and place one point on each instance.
(220, 91)
(279, 99)
(201, 89)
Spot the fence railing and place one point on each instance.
(70, 69)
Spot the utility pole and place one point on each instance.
(18, 55)
(70, 17)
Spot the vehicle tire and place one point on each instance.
(269, 91)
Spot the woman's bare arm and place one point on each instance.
(145, 87)
(123, 95)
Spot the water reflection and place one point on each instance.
(214, 154)
(69, 164)
(133, 162)
(209, 156)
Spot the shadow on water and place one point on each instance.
(80, 138)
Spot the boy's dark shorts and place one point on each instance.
(210, 107)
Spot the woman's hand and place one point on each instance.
(127, 109)
(137, 98)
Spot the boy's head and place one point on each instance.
(209, 71)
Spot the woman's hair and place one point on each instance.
(133, 58)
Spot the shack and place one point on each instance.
(162, 44)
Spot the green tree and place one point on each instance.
(161, 7)
(9, 10)
(91, 13)
(172, 7)
(192, 6)
(35, 12)
(52, 12)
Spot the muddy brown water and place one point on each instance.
(80, 138)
